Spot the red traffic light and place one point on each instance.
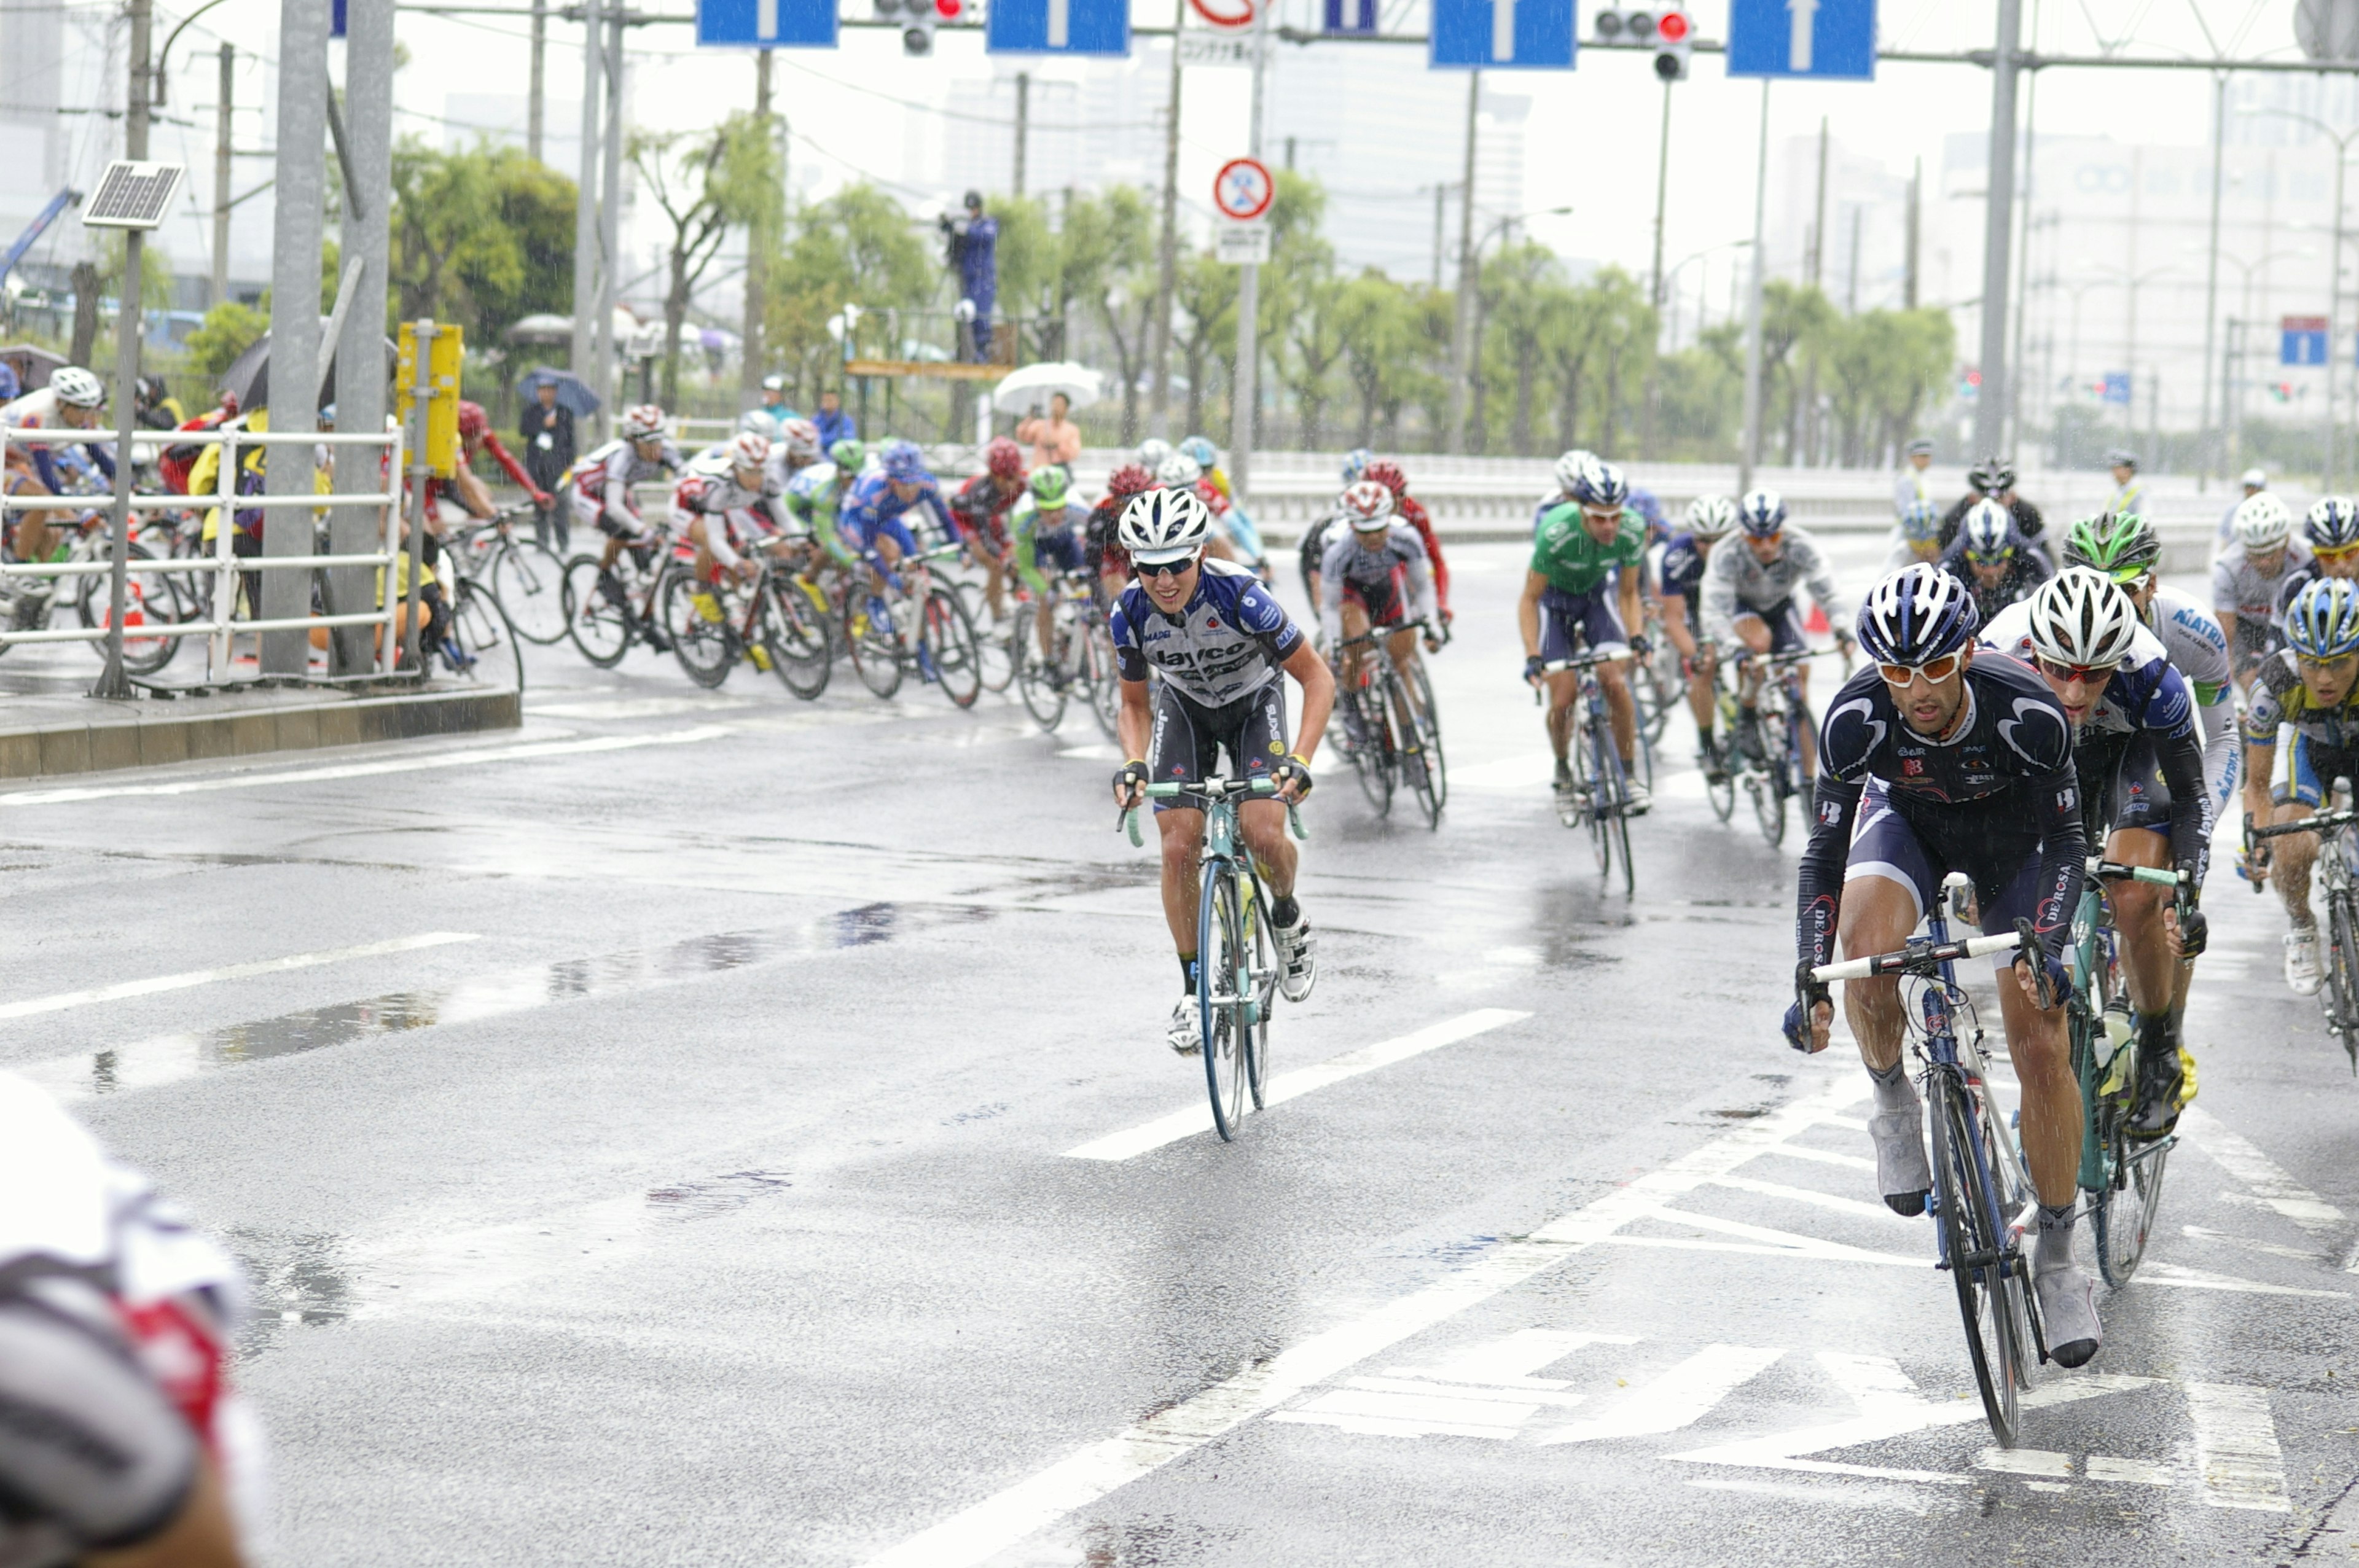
(1673, 26)
(948, 10)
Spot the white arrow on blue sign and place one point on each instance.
(1830, 39)
(1503, 35)
(2298, 346)
(1058, 26)
(766, 24)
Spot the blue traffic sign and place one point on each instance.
(766, 24)
(2302, 346)
(2116, 387)
(1825, 38)
(1058, 26)
(1503, 35)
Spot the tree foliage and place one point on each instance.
(481, 236)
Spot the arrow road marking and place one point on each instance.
(1680, 1397)
(1503, 31)
(1804, 13)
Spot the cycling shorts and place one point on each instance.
(2312, 770)
(1784, 625)
(1059, 550)
(1883, 845)
(589, 512)
(1569, 621)
(875, 529)
(1382, 600)
(1189, 738)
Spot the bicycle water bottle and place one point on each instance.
(2118, 1029)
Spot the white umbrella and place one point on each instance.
(1023, 389)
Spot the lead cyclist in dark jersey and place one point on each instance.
(1218, 639)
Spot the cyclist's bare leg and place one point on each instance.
(1563, 691)
(1703, 701)
(1754, 632)
(2290, 859)
(2051, 1095)
(994, 580)
(1621, 708)
(1402, 645)
(1262, 824)
(1355, 624)
(1878, 915)
(1181, 830)
(2141, 912)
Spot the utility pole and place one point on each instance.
(585, 220)
(610, 383)
(1024, 123)
(536, 111)
(2023, 249)
(1805, 418)
(1245, 393)
(1167, 263)
(299, 196)
(1851, 287)
(760, 232)
(1817, 251)
(224, 95)
(1998, 218)
(360, 347)
(2211, 379)
(1750, 458)
(112, 681)
(1915, 199)
(2334, 305)
(1662, 195)
(1462, 322)
(1440, 194)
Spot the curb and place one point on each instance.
(153, 733)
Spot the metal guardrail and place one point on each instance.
(224, 564)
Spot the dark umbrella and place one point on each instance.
(572, 392)
(248, 375)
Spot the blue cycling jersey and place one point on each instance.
(1683, 562)
(1225, 644)
(871, 504)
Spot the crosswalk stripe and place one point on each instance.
(2270, 1181)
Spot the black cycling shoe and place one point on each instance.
(2160, 1078)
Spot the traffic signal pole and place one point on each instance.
(1999, 222)
(1750, 459)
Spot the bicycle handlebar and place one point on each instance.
(2325, 822)
(1211, 789)
(2116, 872)
(1918, 958)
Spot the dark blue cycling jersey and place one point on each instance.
(1225, 644)
(1683, 562)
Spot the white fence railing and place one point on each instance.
(90, 554)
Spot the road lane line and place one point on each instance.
(978, 1532)
(64, 1000)
(2236, 1447)
(523, 752)
(2270, 1182)
(1197, 1118)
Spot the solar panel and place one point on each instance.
(132, 195)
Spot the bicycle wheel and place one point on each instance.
(2342, 988)
(597, 612)
(996, 644)
(1223, 990)
(801, 651)
(1613, 812)
(488, 648)
(1422, 762)
(1038, 677)
(529, 582)
(1722, 795)
(1369, 760)
(868, 636)
(1974, 1250)
(1430, 732)
(149, 599)
(1105, 680)
(1261, 949)
(946, 644)
(1769, 786)
(704, 642)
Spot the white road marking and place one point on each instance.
(2236, 1447)
(1197, 1118)
(997, 1522)
(1825, 1157)
(2271, 1183)
(2159, 1273)
(1790, 1243)
(470, 755)
(2025, 1461)
(2135, 1472)
(64, 1000)
(637, 706)
(2198, 1233)
(1818, 1200)
(1679, 1398)
(1906, 1499)
(1510, 1363)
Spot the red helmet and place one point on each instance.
(1003, 458)
(1388, 474)
(472, 421)
(1130, 479)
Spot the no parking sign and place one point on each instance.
(1242, 191)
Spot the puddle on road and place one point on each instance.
(715, 1195)
(173, 1057)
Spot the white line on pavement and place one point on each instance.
(365, 770)
(1301, 1081)
(1679, 1398)
(64, 1000)
(2236, 1447)
(2270, 1182)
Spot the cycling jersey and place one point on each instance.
(813, 498)
(1045, 541)
(872, 509)
(2278, 697)
(2238, 588)
(1227, 641)
(603, 484)
(1736, 582)
(1570, 557)
(1314, 550)
(1995, 798)
(710, 489)
(1368, 571)
(1682, 574)
(2026, 570)
(1102, 548)
(2200, 651)
(39, 410)
(981, 508)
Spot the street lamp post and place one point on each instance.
(2231, 422)
(2341, 140)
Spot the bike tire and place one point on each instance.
(1036, 684)
(946, 641)
(1369, 760)
(483, 632)
(1429, 775)
(1222, 988)
(1770, 788)
(1430, 730)
(706, 649)
(155, 599)
(1261, 949)
(802, 653)
(1723, 796)
(999, 647)
(2343, 964)
(1972, 1250)
(875, 653)
(1105, 680)
(599, 622)
(529, 582)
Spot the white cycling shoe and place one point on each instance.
(1902, 1173)
(2068, 1309)
(1297, 959)
(1186, 1034)
(2301, 959)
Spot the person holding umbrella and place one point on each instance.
(546, 432)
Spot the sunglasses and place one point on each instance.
(1981, 559)
(1163, 568)
(2336, 556)
(1935, 671)
(2340, 661)
(2087, 674)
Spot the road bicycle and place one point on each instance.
(2121, 1174)
(894, 623)
(1236, 967)
(2336, 867)
(1080, 657)
(1982, 1194)
(1599, 799)
(525, 575)
(1392, 730)
(1765, 755)
(768, 620)
(151, 600)
(607, 609)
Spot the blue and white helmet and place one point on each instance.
(1355, 463)
(1207, 455)
(2332, 524)
(1920, 523)
(1762, 513)
(1915, 615)
(2324, 619)
(1600, 484)
(1569, 467)
(903, 463)
(1987, 532)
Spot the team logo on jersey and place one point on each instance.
(1912, 767)
(1277, 748)
(1830, 813)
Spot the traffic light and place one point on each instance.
(1635, 27)
(917, 18)
(1674, 38)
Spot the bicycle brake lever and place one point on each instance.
(2026, 949)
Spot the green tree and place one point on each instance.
(706, 182)
(1299, 297)
(481, 236)
(1206, 293)
(229, 329)
(1524, 293)
(1108, 256)
(857, 247)
(1376, 322)
(1882, 367)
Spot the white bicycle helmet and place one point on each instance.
(1368, 507)
(1570, 466)
(1161, 526)
(77, 387)
(1987, 533)
(749, 449)
(800, 438)
(1711, 516)
(2080, 616)
(638, 424)
(2262, 523)
(1152, 452)
(1180, 471)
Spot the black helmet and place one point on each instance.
(1992, 476)
(973, 201)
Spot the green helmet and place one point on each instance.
(1050, 485)
(848, 454)
(2122, 545)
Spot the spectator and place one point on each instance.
(1056, 442)
(1912, 486)
(834, 423)
(774, 402)
(545, 433)
(2129, 495)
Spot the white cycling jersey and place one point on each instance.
(1736, 582)
(2199, 651)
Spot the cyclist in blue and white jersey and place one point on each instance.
(1569, 469)
(1991, 557)
(1680, 601)
(1219, 640)
(1749, 601)
(875, 505)
(1916, 537)
(1361, 580)
(2140, 761)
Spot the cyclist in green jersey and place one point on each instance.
(815, 495)
(1581, 593)
(1046, 524)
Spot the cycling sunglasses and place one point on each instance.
(1163, 568)
(1991, 558)
(1935, 671)
(2087, 674)
(2336, 556)
(2313, 662)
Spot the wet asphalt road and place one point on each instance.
(666, 1154)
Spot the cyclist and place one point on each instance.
(2139, 755)
(1359, 587)
(1916, 537)
(1229, 516)
(75, 401)
(603, 484)
(1102, 549)
(1046, 526)
(1154, 452)
(2331, 529)
(1585, 544)
(1748, 605)
(981, 507)
(475, 439)
(1219, 640)
(1568, 468)
(1410, 510)
(1932, 761)
(1313, 550)
(720, 492)
(2246, 578)
(872, 507)
(2313, 685)
(1997, 563)
(1993, 478)
(1356, 465)
(796, 449)
(1680, 604)
(814, 498)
